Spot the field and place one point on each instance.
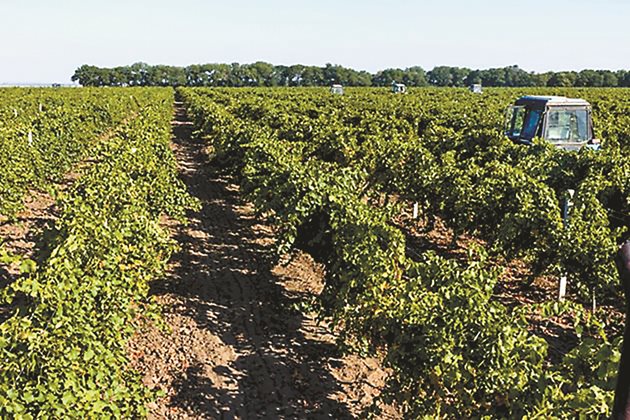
(271, 233)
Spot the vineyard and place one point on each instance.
(71, 312)
(441, 240)
(333, 172)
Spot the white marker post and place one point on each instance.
(562, 288)
(415, 210)
(566, 207)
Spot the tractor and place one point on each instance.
(399, 88)
(564, 122)
(476, 88)
(336, 89)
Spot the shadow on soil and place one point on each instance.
(224, 275)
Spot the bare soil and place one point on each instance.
(21, 237)
(517, 285)
(237, 345)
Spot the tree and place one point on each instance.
(448, 76)
(387, 77)
(493, 77)
(280, 76)
(609, 79)
(295, 75)
(459, 75)
(235, 75)
(623, 78)
(440, 76)
(541, 79)
(359, 78)
(474, 77)
(516, 77)
(262, 73)
(313, 76)
(175, 76)
(218, 74)
(139, 75)
(563, 79)
(88, 76)
(589, 78)
(195, 75)
(415, 76)
(118, 76)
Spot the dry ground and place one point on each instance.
(237, 347)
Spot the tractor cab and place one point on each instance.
(336, 89)
(564, 122)
(399, 88)
(476, 88)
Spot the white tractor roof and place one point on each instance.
(554, 100)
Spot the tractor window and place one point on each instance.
(530, 125)
(514, 121)
(567, 126)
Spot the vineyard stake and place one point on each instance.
(562, 288)
(566, 207)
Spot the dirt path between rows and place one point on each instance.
(21, 236)
(237, 348)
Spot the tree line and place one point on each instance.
(266, 74)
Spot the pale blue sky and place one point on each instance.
(44, 41)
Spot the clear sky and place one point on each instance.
(46, 40)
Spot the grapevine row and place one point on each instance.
(44, 132)
(63, 352)
(314, 164)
